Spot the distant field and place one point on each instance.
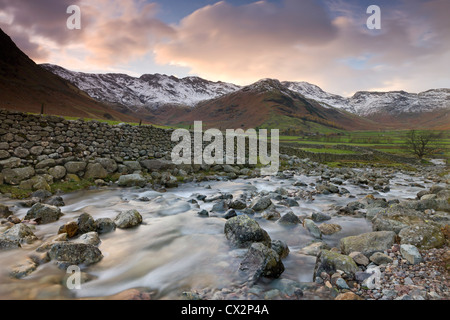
(385, 141)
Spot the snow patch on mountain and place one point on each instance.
(148, 91)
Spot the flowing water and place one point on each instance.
(175, 249)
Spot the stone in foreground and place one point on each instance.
(242, 231)
(75, 253)
(368, 243)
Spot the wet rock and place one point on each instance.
(6, 244)
(238, 204)
(56, 201)
(23, 269)
(314, 249)
(69, 253)
(70, 228)
(105, 225)
(329, 262)
(4, 211)
(313, 228)
(261, 261)
(128, 219)
(43, 213)
(20, 233)
(86, 223)
(242, 231)
(220, 206)
(271, 214)
(261, 204)
(132, 180)
(289, 218)
(329, 228)
(368, 243)
(410, 253)
(319, 217)
(203, 213)
(91, 238)
(230, 214)
(281, 248)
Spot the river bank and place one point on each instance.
(163, 242)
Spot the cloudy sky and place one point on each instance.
(324, 42)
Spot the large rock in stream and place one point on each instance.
(70, 253)
(329, 262)
(261, 261)
(242, 232)
(43, 213)
(368, 243)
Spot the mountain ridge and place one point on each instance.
(156, 91)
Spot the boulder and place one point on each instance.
(289, 218)
(329, 262)
(410, 253)
(132, 180)
(20, 233)
(128, 219)
(43, 213)
(157, 165)
(359, 258)
(15, 176)
(70, 228)
(95, 171)
(261, 204)
(91, 238)
(70, 253)
(242, 231)
(105, 225)
(6, 244)
(380, 258)
(313, 228)
(108, 164)
(4, 211)
(314, 249)
(261, 261)
(75, 167)
(368, 243)
(238, 204)
(423, 236)
(329, 228)
(281, 248)
(320, 216)
(86, 223)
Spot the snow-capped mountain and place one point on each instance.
(153, 91)
(366, 103)
(148, 91)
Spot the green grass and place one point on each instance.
(393, 142)
(329, 150)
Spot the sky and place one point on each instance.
(323, 42)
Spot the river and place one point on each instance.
(176, 250)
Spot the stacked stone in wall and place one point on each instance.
(35, 150)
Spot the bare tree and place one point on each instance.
(423, 143)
